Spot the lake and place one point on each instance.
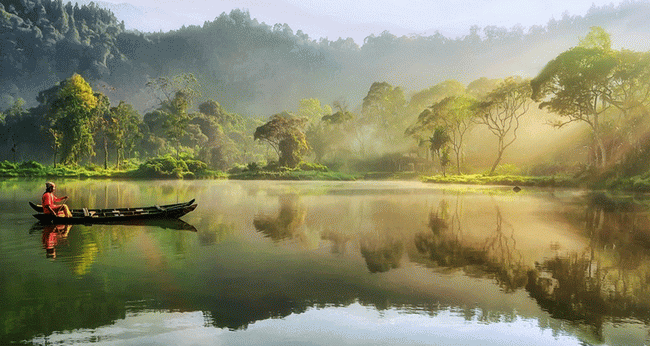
(328, 263)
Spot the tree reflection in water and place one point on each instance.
(444, 247)
(610, 278)
(286, 225)
(381, 254)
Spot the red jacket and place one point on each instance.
(49, 199)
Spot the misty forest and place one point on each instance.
(567, 100)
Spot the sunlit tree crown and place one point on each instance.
(77, 88)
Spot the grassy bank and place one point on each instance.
(512, 180)
(166, 168)
(186, 168)
(293, 175)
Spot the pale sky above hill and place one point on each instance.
(352, 18)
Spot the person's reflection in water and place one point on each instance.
(51, 236)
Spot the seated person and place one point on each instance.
(49, 200)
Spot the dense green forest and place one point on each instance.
(237, 95)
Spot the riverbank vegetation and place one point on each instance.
(580, 122)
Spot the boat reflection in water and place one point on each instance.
(55, 235)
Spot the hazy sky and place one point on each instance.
(352, 18)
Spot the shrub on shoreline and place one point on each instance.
(479, 179)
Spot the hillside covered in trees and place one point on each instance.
(215, 91)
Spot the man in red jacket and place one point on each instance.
(49, 199)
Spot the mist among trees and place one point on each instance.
(77, 88)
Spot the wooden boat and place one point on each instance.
(117, 215)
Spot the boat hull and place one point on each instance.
(117, 215)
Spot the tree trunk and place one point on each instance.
(496, 162)
(105, 153)
(603, 152)
(117, 158)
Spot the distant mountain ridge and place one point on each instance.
(258, 69)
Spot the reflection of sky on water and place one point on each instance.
(350, 325)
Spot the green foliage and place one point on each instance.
(392, 163)
(383, 111)
(425, 98)
(4, 165)
(35, 169)
(597, 38)
(175, 95)
(69, 111)
(452, 118)
(293, 175)
(195, 166)
(284, 133)
(121, 126)
(600, 87)
(168, 167)
(479, 179)
(507, 169)
(313, 110)
(273, 166)
(309, 166)
(91, 167)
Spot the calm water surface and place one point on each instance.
(326, 263)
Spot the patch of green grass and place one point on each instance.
(639, 183)
(292, 175)
(513, 180)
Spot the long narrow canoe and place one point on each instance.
(113, 215)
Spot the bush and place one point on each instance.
(272, 166)
(195, 166)
(507, 169)
(162, 167)
(7, 165)
(93, 167)
(237, 168)
(308, 166)
(30, 165)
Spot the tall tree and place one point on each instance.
(284, 133)
(101, 122)
(338, 127)
(482, 86)
(439, 142)
(384, 108)
(13, 127)
(577, 85)
(455, 114)
(175, 95)
(71, 118)
(501, 110)
(423, 99)
(123, 129)
(318, 132)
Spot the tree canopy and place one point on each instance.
(284, 133)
